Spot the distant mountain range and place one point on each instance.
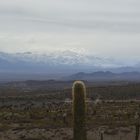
(58, 64)
(53, 62)
(105, 76)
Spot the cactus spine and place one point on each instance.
(79, 111)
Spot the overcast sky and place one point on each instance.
(102, 27)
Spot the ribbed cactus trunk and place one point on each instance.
(137, 131)
(79, 111)
(101, 136)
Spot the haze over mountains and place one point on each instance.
(58, 64)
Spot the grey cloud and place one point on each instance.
(56, 24)
(90, 15)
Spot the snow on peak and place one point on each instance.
(67, 57)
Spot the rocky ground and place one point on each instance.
(121, 133)
(24, 119)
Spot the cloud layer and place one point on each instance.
(110, 28)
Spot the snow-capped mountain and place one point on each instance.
(53, 65)
(56, 61)
(57, 58)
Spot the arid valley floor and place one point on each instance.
(47, 115)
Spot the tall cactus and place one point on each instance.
(102, 135)
(137, 131)
(79, 111)
(137, 125)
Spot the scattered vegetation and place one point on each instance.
(49, 116)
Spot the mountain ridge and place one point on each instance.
(58, 57)
(105, 76)
(32, 65)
